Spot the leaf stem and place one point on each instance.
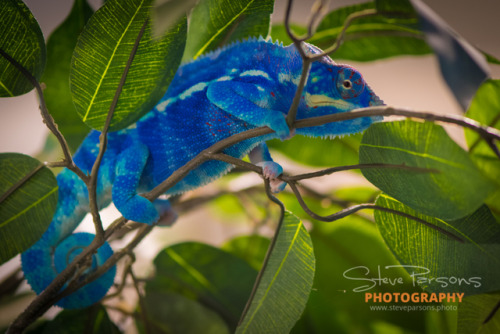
(492, 313)
(19, 183)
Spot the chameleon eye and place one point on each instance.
(349, 83)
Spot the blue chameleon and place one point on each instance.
(225, 92)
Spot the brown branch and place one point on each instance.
(143, 309)
(123, 281)
(348, 211)
(340, 37)
(205, 155)
(332, 170)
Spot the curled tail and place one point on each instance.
(59, 245)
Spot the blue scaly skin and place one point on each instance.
(228, 91)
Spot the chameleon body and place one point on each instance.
(233, 89)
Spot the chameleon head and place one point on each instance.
(331, 89)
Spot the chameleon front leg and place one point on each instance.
(249, 102)
(261, 157)
(129, 167)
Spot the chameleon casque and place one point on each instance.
(242, 86)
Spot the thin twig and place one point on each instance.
(47, 118)
(268, 254)
(294, 107)
(316, 12)
(340, 37)
(348, 211)
(492, 123)
(123, 281)
(103, 139)
(332, 170)
(143, 311)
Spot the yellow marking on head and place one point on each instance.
(323, 101)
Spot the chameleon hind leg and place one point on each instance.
(271, 170)
(129, 167)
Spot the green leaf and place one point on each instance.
(207, 274)
(94, 319)
(57, 94)
(285, 284)
(26, 212)
(454, 191)
(251, 248)
(22, 39)
(354, 247)
(172, 313)
(474, 310)
(471, 266)
(485, 108)
(218, 22)
(311, 151)
(490, 58)
(398, 6)
(100, 57)
(366, 39)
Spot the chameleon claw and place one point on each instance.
(277, 185)
(271, 170)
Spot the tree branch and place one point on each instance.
(348, 211)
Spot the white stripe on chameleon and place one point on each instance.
(193, 89)
(323, 100)
(282, 77)
(255, 73)
(224, 78)
(200, 86)
(163, 105)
